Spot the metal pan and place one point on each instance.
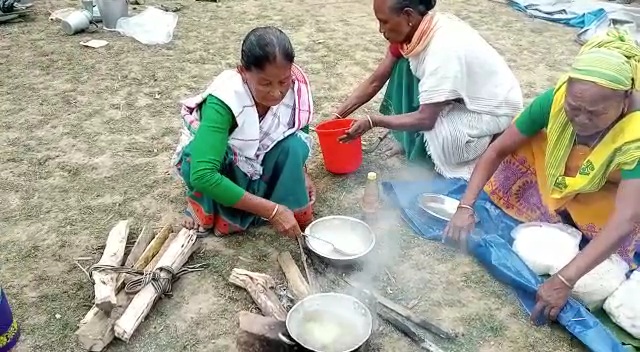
(439, 206)
(329, 322)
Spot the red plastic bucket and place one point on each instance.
(339, 158)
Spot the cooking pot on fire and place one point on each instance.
(328, 322)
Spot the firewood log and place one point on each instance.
(260, 287)
(296, 282)
(105, 281)
(175, 257)
(257, 333)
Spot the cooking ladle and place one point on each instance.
(336, 248)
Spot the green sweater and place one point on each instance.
(208, 150)
(535, 118)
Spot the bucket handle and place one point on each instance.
(286, 339)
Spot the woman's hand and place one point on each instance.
(358, 128)
(551, 297)
(460, 225)
(285, 223)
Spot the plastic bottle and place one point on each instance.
(371, 198)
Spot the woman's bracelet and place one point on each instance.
(564, 281)
(336, 115)
(468, 207)
(273, 214)
(370, 122)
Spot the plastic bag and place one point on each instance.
(623, 305)
(544, 246)
(152, 26)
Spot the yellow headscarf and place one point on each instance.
(610, 60)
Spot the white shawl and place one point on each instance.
(460, 65)
(253, 137)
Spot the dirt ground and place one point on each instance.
(86, 136)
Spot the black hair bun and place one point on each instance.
(429, 4)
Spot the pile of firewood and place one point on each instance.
(117, 311)
(260, 332)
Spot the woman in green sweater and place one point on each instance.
(244, 143)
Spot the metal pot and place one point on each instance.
(328, 322)
(76, 22)
(341, 230)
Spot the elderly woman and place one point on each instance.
(449, 91)
(571, 157)
(244, 144)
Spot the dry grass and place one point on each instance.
(86, 136)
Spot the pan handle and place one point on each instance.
(286, 339)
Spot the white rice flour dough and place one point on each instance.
(598, 284)
(546, 247)
(623, 306)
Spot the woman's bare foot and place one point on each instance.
(393, 150)
(189, 224)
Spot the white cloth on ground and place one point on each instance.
(459, 65)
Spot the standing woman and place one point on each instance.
(244, 144)
(9, 332)
(572, 156)
(449, 91)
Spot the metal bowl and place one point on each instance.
(342, 312)
(344, 231)
(438, 205)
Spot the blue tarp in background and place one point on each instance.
(491, 245)
(589, 16)
(570, 13)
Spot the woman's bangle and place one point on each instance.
(564, 281)
(336, 115)
(370, 122)
(468, 207)
(273, 214)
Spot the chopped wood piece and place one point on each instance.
(154, 247)
(161, 252)
(95, 331)
(145, 237)
(311, 278)
(296, 282)
(105, 282)
(260, 333)
(260, 288)
(175, 257)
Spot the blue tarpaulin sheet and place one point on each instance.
(491, 245)
(591, 17)
(574, 14)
